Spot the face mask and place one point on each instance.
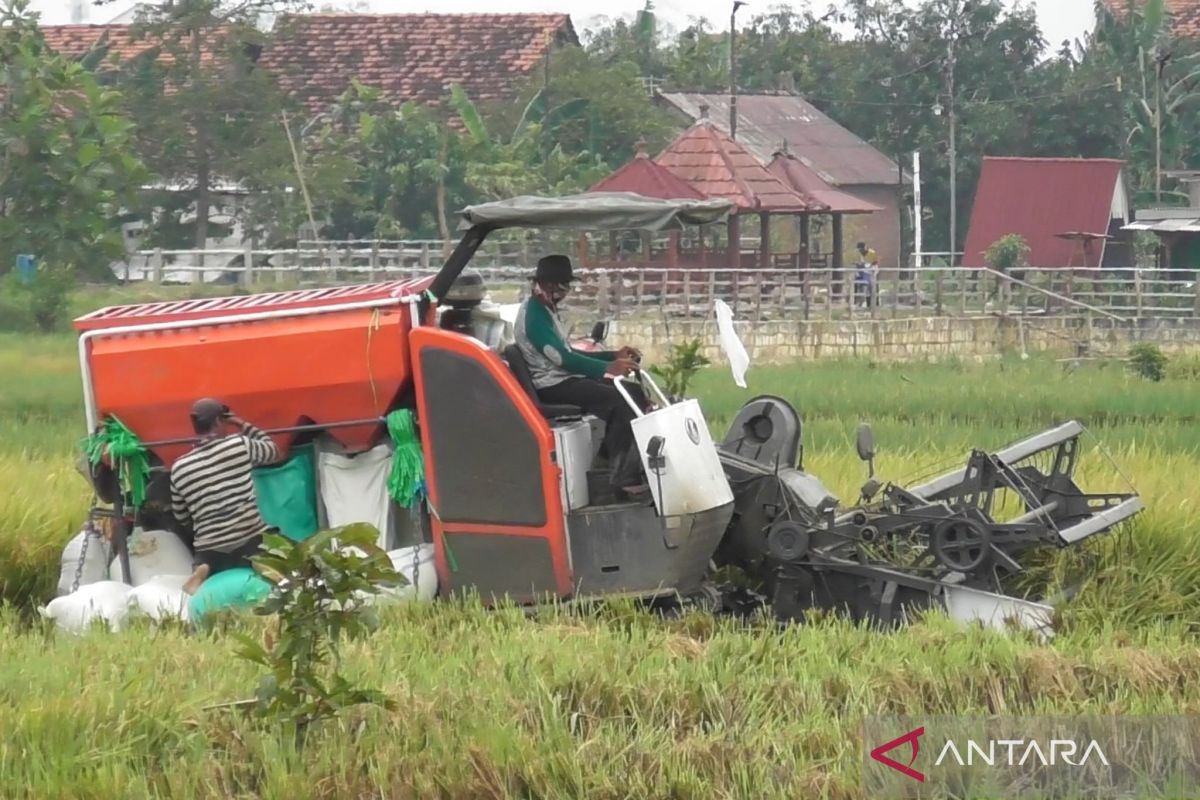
(554, 294)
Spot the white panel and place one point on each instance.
(693, 479)
(573, 443)
(994, 610)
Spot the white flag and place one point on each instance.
(739, 360)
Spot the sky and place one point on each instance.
(1060, 19)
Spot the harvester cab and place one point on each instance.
(511, 503)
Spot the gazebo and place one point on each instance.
(705, 163)
(796, 174)
(649, 179)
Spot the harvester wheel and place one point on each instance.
(962, 545)
(787, 541)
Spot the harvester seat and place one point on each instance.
(551, 411)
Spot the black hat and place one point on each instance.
(554, 269)
(206, 412)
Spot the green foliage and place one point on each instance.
(684, 361)
(1008, 253)
(381, 173)
(321, 592)
(66, 163)
(207, 116)
(1184, 368)
(1149, 361)
(48, 297)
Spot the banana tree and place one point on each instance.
(528, 161)
(1164, 85)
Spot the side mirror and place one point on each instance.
(599, 332)
(865, 442)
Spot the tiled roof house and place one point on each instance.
(411, 56)
(1185, 15)
(123, 43)
(316, 57)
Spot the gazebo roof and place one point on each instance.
(649, 179)
(808, 183)
(717, 166)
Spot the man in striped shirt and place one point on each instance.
(212, 489)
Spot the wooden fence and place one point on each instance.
(753, 294)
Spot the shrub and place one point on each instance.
(1007, 254)
(1148, 361)
(321, 592)
(48, 297)
(684, 361)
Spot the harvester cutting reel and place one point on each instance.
(954, 542)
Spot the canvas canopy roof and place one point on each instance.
(595, 211)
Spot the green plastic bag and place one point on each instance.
(241, 587)
(287, 494)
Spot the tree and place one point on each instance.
(591, 106)
(382, 173)
(1160, 82)
(525, 162)
(205, 113)
(67, 166)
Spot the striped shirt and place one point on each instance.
(212, 488)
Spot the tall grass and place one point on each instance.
(620, 704)
(497, 705)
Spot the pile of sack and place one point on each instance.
(159, 564)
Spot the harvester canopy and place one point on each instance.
(595, 211)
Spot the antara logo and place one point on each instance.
(991, 752)
(911, 738)
(1018, 752)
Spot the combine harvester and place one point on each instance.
(509, 506)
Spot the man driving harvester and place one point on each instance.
(212, 489)
(563, 375)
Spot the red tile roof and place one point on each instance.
(717, 166)
(124, 42)
(1042, 199)
(1185, 15)
(649, 179)
(410, 56)
(803, 180)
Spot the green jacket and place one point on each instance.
(542, 337)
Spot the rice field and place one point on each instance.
(619, 704)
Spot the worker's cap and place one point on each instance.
(862, 245)
(554, 269)
(206, 411)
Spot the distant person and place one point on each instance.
(212, 490)
(566, 376)
(866, 276)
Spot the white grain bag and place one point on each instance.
(154, 553)
(104, 600)
(162, 597)
(95, 560)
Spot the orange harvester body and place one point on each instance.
(307, 364)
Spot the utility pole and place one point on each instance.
(953, 148)
(1159, 63)
(733, 68)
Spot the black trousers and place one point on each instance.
(601, 398)
(219, 561)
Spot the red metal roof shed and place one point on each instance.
(1041, 199)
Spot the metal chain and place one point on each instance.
(89, 531)
(416, 562)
